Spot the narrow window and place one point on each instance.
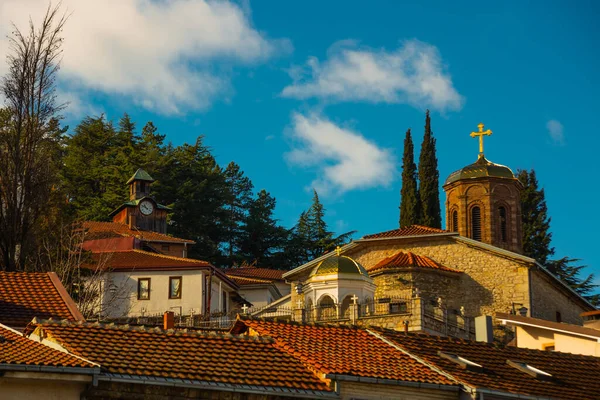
(502, 217)
(175, 287)
(455, 221)
(558, 317)
(144, 289)
(143, 187)
(224, 302)
(476, 223)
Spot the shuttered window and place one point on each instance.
(455, 221)
(476, 223)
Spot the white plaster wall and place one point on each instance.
(21, 389)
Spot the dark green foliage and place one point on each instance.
(238, 203)
(570, 274)
(409, 195)
(311, 237)
(429, 190)
(536, 222)
(261, 239)
(194, 187)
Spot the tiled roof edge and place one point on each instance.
(431, 366)
(62, 291)
(92, 370)
(254, 389)
(424, 385)
(433, 234)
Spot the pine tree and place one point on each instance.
(536, 222)
(261, 238)
(409, 196)
(429, 191)
(564, 269)
(239, 201)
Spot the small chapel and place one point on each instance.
(439, 281)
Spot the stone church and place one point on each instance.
(424, 279)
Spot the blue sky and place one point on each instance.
(319, 94)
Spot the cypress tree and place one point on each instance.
(429, 190)
(536, 222)
(409, 195)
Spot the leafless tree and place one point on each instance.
(29, 137)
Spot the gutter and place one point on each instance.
(362, 379)
(227, 387)
(50, 369)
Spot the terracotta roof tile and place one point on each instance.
(104, 230)
(575, 376)
(17, 349)
(145, 260)
(254, 272)
(408, 260)
(179, 354)
(25, 295)
(242, 281)
(413, 230)
(343, 350)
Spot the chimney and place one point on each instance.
(169, 320)
(484, 331)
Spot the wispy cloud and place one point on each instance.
(345, 159)
(163, 55)
(413, 73)
(556, 132)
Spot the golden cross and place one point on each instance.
(338, 251)
(481, 133)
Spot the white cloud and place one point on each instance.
(161, 54)
(413, 74)
(556, 131)
(345, 159)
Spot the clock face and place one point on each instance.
(146, 207)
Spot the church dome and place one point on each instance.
(338, 264)
(479, 169)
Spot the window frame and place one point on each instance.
(171, 278)
(479, 222)
(149, 280)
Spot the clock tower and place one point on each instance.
(141, 212)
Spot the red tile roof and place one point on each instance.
(104, 230)
(19, 350)
(342, 350)
(140, 260)
(254, 272)
(413, 230)
(241, 281)
(408, 260)
(25, 295)
(575, 376)
(222, 359)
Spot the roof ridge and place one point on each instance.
(161, 255)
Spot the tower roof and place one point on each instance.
(338, 264)
(480, 169)
(140, 175)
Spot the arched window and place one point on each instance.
(502, 220)
(454, 221)
(476, 223)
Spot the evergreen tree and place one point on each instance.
(536, 222)
(238, 204)
(409, 195)
(95, 169)
(261, 238)
(429, 191)
(565, 270)
(194, 187)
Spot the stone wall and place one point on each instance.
(489, 284)
(548, 300)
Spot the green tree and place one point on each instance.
(261, 238)
(429, 191)
(30, 140)
(194, 187)
(536, 222)
(95, 169)
(238, 204)
(564, 269)
(409, 194)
